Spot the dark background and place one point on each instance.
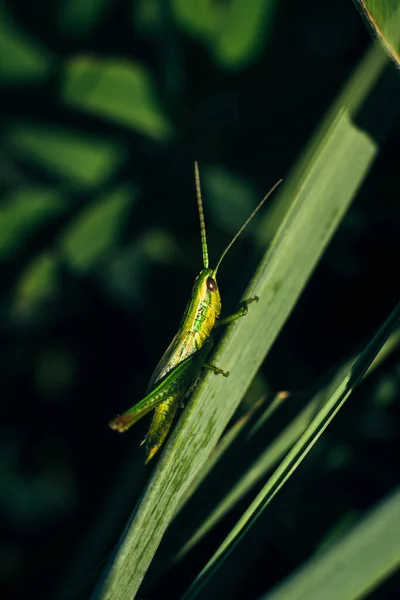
(90, 300)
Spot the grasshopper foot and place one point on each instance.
(216, 370)
(244, 308)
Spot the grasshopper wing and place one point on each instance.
(174, 385)
(182, 347)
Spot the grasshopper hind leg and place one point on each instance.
(163, 417)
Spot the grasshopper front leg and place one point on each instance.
(215, 370)
(241, 312)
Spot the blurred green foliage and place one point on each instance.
(105, 105)
(101, 223)
(81, 161)
(23, 213)
(119, 91)
(24, 59)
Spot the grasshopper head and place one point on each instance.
(206, 289)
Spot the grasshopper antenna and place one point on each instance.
(243, 227)
(204, 247)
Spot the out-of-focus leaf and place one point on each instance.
(96, 229)
(200, 18)
(147, 16)
(80, 18)
(81, 160)
(234, 31)
(246, 27)
(123, 276)
(384, 19)
(22, 213)
(117, 90)
(22, 59)
(37, 283)
(355, 565)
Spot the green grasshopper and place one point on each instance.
(177, 372)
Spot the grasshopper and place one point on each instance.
(177, 373)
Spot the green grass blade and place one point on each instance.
(353, 566)
(321, 192)
(383, 16)
(256, 471)
(342, 387)
(273, 453)
(228, 439)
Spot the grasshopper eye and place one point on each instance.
(211, 284)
